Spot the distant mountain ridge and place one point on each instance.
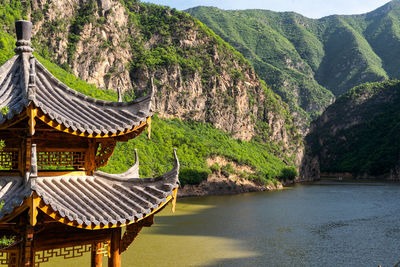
(308, 62)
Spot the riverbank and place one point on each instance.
(228, 178)
(363, 177)
(217, 184)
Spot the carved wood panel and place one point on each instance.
(57, 160)
(9, 160)
(67, 253)
(104, 152)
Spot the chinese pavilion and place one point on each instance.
(54, 201)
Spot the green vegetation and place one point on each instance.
(6, 241)
(303, 59)
(5, 110)
(281, 52)
(10, 11)
(170, 26)
(195, 142)
(362, 134)
(162, 40)
(288, 173)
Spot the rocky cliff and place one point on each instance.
(122, 44)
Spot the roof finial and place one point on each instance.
(23, 30)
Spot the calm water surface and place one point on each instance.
(322, 224)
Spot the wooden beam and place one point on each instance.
(28, 150)
(96, 259)
(33, 203)
(14, 121)
(115, 258)
(132, 232)
(69, 238)
(13, 258)
(32, 113)
(90, 156)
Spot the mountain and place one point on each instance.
(306, 61)
(205, 90)
(360, 133)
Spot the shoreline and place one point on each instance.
(219, 185)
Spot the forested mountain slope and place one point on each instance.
(308, 61)
(209, 89)
(360, 133)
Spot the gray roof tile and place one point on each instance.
(94, 200)
(63, 104)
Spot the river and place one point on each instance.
(327, 223)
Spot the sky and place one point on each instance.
(308, 8)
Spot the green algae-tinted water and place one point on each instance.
(323, 224)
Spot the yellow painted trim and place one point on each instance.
(149, 127)
(53, 214)
(61, 173)
(174, 197)
(44, 118)
(33, 203)
(32, 113)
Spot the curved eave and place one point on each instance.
(57, 217)
(104, 201)
(12, 91)
(132, 172)
(68, 110)
(66, 129)
(13, 194)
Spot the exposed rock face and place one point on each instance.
(99, 50)
(309, 169)
(111, 44)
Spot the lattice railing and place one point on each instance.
(8, 259)
(8, 160)
(67, 253)
(56, 160)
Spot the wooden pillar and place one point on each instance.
(115, 258)
(96, 258)
(26, 253)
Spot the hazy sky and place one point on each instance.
(308, 8)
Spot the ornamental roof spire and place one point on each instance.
(23, 29)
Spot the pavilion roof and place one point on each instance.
(25, 81)
(93, 202)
